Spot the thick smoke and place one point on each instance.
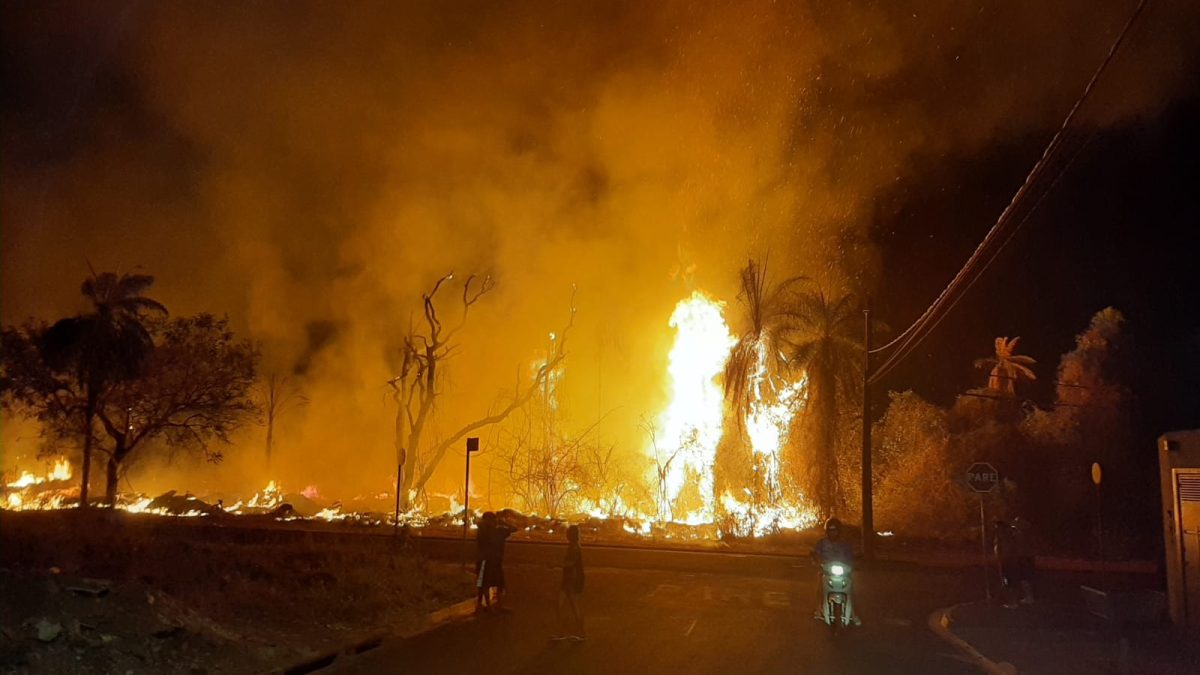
(309, 169)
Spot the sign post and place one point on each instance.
(1097, 475)
(983, 478)
(472, 446)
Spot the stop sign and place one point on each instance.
(983, 477)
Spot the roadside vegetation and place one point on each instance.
(110, 592)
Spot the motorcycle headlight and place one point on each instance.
(837, 570)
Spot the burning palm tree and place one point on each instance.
(767, 316)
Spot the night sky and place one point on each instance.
(1122, 229)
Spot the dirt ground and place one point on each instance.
(100, 593)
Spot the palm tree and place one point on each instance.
(823, 341)
(103, 347)
(1007, 367)
(767, 316)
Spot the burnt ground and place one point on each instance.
(106, 592)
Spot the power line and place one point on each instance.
(894, 359)
(927, 321)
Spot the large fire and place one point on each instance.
(694, 422)
(684, 449)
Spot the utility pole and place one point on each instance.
(868, 515)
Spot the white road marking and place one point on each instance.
(776, 599)
(666, 589)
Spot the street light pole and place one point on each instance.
(472, 446)
(868, 515)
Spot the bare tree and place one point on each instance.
(416, 388)
(549, 471)
(608, 482)
(663, 460)
(280, 395)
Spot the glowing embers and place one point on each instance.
(692, 423)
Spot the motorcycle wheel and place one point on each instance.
(835, 614)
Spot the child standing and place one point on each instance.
(571, 588)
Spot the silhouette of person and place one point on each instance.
(571, 588)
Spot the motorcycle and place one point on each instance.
(836, 582)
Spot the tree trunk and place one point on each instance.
(110, 483)
(404, 481)
(89, 417)
(270, 437)
(824, 398)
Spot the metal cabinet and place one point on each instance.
(1179, 469)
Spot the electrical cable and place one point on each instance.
(917, 331)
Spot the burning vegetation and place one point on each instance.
(751, 440)
(612, 353)
(186, 384)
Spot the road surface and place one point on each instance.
(671, 612)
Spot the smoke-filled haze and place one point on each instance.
(310, 168)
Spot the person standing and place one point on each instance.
(571, 589)
(1016, 560)
(492, 577)
(483, 537)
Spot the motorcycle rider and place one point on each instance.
(832, 548)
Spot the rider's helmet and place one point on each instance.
(833, 526)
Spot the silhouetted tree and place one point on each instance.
(279, 394)
(1007, 367)
(823, 340)
(1089, 422)
(61, 375)
(196, 388)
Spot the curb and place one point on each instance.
(939, 623)
(459, 610)
(1077, 565)
(433, 620)
(1048, 563)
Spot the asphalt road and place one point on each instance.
(666, 614)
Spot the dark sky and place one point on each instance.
(1122, 229)
(309, 166)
